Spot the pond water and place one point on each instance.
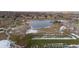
(37, 24)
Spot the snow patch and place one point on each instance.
(5, 44)
(31, 31)
(62, 28)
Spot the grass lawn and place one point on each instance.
(28, 42)
(40, 43)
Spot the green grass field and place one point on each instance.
(28, 42)
(40, 43)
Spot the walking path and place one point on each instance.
(72, 36)
(77, 36)
(53, 38)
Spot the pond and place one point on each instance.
(37, 24)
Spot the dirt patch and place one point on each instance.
(2, 36)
